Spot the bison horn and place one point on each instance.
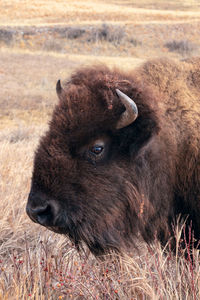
(130, 113)
(60, 91)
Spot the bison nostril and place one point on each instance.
(42, 214)
(41, 210)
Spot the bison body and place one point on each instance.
(103, 184)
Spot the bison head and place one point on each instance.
(93, 177)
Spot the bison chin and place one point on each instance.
(99, 244)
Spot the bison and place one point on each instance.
(121, 157)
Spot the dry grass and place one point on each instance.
(61, 11)
(35, 263)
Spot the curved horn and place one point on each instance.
(130, 113)
(59, 90)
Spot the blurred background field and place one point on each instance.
(41, 42)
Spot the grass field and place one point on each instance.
(41, 42)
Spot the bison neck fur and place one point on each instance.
(104, 186)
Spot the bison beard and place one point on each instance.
(115, 165)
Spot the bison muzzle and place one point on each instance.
(121, 157)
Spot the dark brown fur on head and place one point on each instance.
(105, 200)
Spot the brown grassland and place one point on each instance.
(40, 42)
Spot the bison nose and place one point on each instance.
(41, 214)
(44, 215)
(42, 209)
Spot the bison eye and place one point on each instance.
(96, 149)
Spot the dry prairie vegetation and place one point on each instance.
(42, 41)
(61, 11)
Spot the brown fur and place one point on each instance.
(151, 170)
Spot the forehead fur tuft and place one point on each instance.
(90, 104)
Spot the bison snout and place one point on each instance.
(43, 213)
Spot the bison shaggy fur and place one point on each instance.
(103, 186)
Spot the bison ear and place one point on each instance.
(60, 91)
